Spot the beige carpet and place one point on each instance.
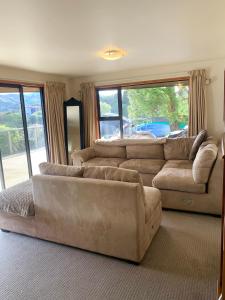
(182, 263)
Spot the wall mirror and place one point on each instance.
(73, 124)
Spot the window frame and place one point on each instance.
(119, 87)
(120, 109)
(20, 87)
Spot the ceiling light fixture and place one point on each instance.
(113, 53)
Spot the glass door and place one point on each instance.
(22, 133)
(12, 138)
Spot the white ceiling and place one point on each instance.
(63, 36)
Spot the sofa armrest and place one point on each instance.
(204, 162)
(215, 183)
(83, 155)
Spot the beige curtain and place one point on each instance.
(54, 97)
(197, 102)
(88, 98)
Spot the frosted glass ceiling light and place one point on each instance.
(113, 54)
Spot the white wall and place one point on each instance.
(215, 90)
(14, 74)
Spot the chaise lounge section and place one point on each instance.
(102, 209)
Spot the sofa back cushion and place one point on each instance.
(178, 148)
(60, 170)
(110, 151)
(112, 173)
(153, 151)
(203, 163)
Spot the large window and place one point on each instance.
(153, 110)
(22, 133)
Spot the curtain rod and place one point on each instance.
(144, 77)
(138, 83)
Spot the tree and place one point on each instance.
(35, 118)
(13, 137)
(165, 102)
(110, 99)
(105, 108)
(11, 119)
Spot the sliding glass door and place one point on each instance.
(12, 140)
(22, 133)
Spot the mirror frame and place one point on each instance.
(73, 102)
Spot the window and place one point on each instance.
(153, 110)
(22, 133)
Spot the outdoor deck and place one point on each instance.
(15, 166)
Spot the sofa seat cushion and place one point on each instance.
(147, 179)
(152, 198)
(148, 166)
(177, 179)
(180, 164)
(103, 161)
(18, 199)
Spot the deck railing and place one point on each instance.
(12, 140)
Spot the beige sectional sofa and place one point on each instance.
(164, 163)
(105, 210)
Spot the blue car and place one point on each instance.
(159, 129)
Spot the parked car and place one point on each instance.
(158, 129)
(179, 133)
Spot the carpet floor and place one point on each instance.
(181, 263)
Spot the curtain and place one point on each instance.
(197, 102)
(88, 98)
(54, 97)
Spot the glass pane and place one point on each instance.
(155, 111)
(110, 129)
(1, 174)
(12, 143)
(108, 101)
(35, 127)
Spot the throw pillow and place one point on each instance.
(200, 138)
